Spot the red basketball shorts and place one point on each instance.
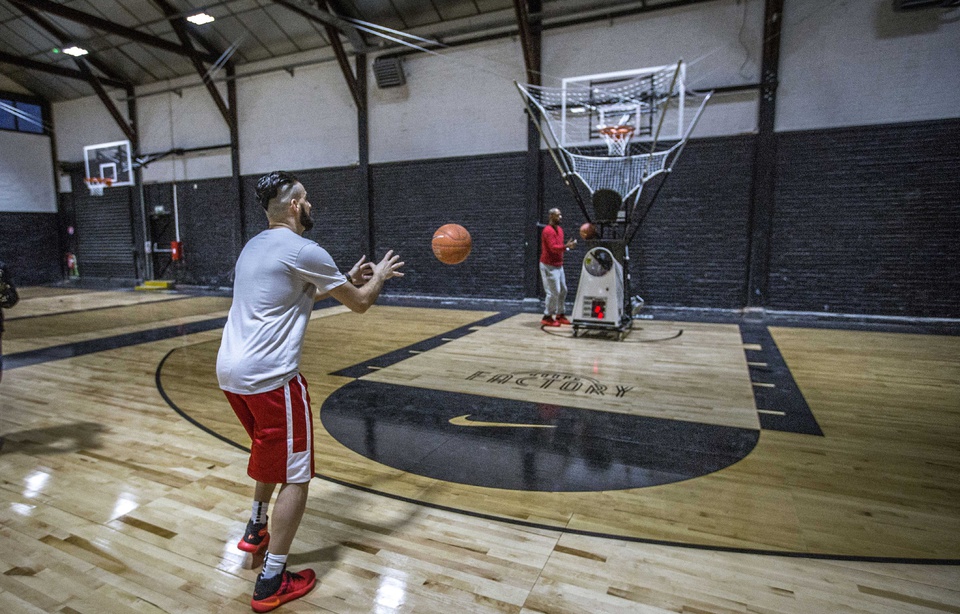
(280, 426)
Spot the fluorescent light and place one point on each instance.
(200, 19)
(75, 51)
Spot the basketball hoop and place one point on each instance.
(97, 184)
(616, 138)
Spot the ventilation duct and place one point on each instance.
(909, 5)
(388, 72)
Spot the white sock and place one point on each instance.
(259, 513)
(273, 565)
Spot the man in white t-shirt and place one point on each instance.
(279, 277)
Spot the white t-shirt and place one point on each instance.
(277, 276)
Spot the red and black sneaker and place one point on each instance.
(255, 538)
(549, 321)
(270, 594)
(563, 319)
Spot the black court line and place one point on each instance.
(81, 348)
(9, 318)
(780, 402)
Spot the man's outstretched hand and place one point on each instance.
(389, 266)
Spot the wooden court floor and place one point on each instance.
(468, 461)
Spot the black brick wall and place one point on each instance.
(867, 221)
(30, 246)
(336, 199)
(483, 194)
(338, 213)
(255, 219)
(692, 250)
(209, 230)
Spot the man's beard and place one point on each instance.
(305, 220)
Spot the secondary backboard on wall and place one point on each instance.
(109, 161)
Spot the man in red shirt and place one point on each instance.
(552, 247)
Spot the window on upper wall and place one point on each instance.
(21, 115)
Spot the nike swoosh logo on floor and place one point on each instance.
(463, 421)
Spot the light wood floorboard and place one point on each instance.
(112, 502)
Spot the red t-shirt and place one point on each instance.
(552, 246)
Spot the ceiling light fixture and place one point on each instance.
(200, 19)
(75, 51)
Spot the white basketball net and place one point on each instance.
(96, 185)
(617, 138)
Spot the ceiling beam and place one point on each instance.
(63, 38)
(206, 44)
(179, 26)
(529, 40)
(98, 23)
(548, 20)
(83, 67)
(353, 34)
(128, 130)
(60, 71)
(327, 18)
(329, 22)
(352, 80)
(344, 63)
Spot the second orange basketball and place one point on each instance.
(451, 244)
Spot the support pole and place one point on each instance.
(764, 163)
(234, 125)
(363, 159)
(145, 270)
(531, 41)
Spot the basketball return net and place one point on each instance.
(640, 116)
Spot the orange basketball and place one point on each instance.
(588, 231)
(451, 244)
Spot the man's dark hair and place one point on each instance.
(270, 185)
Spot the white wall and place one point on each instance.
(459, 103)
(857, 63)
(846, 62)
(185, 118)
(26, 173)
(85, 121)
(304, 121)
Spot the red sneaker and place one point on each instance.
(563, 319)
(286, 586)
(255, 538)
(549, 321)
